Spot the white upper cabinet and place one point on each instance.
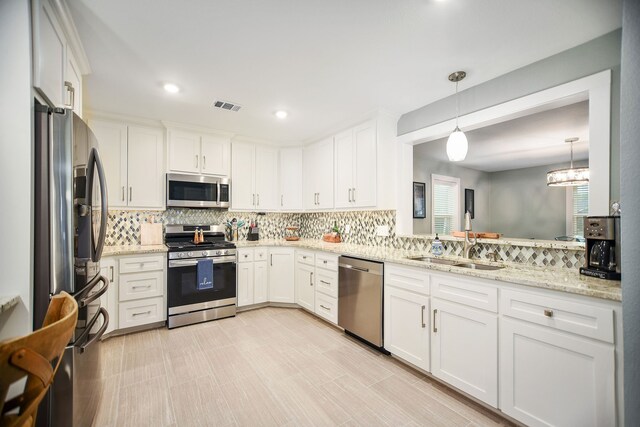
(318, 175)
(290, 179)
(184, 151)
(254, 177)
(266, 179)
(242, 176)
(197, 152)
(145, 172)
(133, 159)
(216, 155)
(112, 143)
(56, 74)
(356, 168)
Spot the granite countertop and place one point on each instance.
(558, 279)
(133, 250)
(8, 301)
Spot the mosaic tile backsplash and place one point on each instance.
(124, 229)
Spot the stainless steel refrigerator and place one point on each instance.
(70, 219)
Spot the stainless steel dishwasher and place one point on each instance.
(360, 298)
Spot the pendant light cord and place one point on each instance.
(571, 154)
(457, 105)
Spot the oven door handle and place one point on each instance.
(191, 262)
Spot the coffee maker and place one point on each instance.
(602, 251)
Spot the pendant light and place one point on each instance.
(457, 144)
(568, 176)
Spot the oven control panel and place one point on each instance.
(201, 253)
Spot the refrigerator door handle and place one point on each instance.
(97, 335)
(94, 162)
(84, 299)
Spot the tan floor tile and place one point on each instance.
(227, 364)
(211, 337)
(305, 403)
(142, 365)
(420, 406)
(146, 404)
(147, 340)
(252, 404)
(201, 402)
(185, 366)
(111, 356)
(108, 408)
(364, 369)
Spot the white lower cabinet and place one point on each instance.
(326, 307)
(109, 269)
(281, 275)
(305, 292)
(464, 349)
(252, 280)
(558, 359)
(406, 326)
(136, 293)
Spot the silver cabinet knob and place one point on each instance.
(548, 313)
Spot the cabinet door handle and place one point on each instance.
(72, 94)
(271, 260)
(258, 204)
(326, 283)
(140, 286)
(130, 193)
(349, 195)
(353, 191)
(141, 313)
(311, 279)
(204, 162)
(111, 268)
(281, 200)
(424, 325)
(253, 199)
(548, 313)
(435, 310)
(196, 161)
(123, 193)
(326, 308)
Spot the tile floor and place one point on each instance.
(271, 366)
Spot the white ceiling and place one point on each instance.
(327, 62)
(533, 140)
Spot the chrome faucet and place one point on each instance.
(468, 245)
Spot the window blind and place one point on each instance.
(580, 208)
(445, 206)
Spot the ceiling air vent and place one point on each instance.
(226, 105)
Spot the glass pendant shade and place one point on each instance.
(457, 146)
(568, 177)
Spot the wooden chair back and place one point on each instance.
(32, 357)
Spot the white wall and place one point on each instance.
(16, 164)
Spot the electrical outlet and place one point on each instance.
(382, 230)
(347, 228)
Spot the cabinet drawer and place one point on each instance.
(327, 261)
(327, 307)
(409, 278)
(327, 282)
(260, 254)
(305, 257)
(141, 312)
(245, 255)
(135, 264)
(141, 285)
(579, 318)
(463, 291)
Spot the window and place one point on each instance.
(445, 200)
(577, 209)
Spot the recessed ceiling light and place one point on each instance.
(171, 88)
(281, 114)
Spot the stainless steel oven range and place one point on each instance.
(188, 300)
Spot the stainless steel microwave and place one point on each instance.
(197, 191)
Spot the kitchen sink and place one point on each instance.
(475, 266)
(432, 260)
